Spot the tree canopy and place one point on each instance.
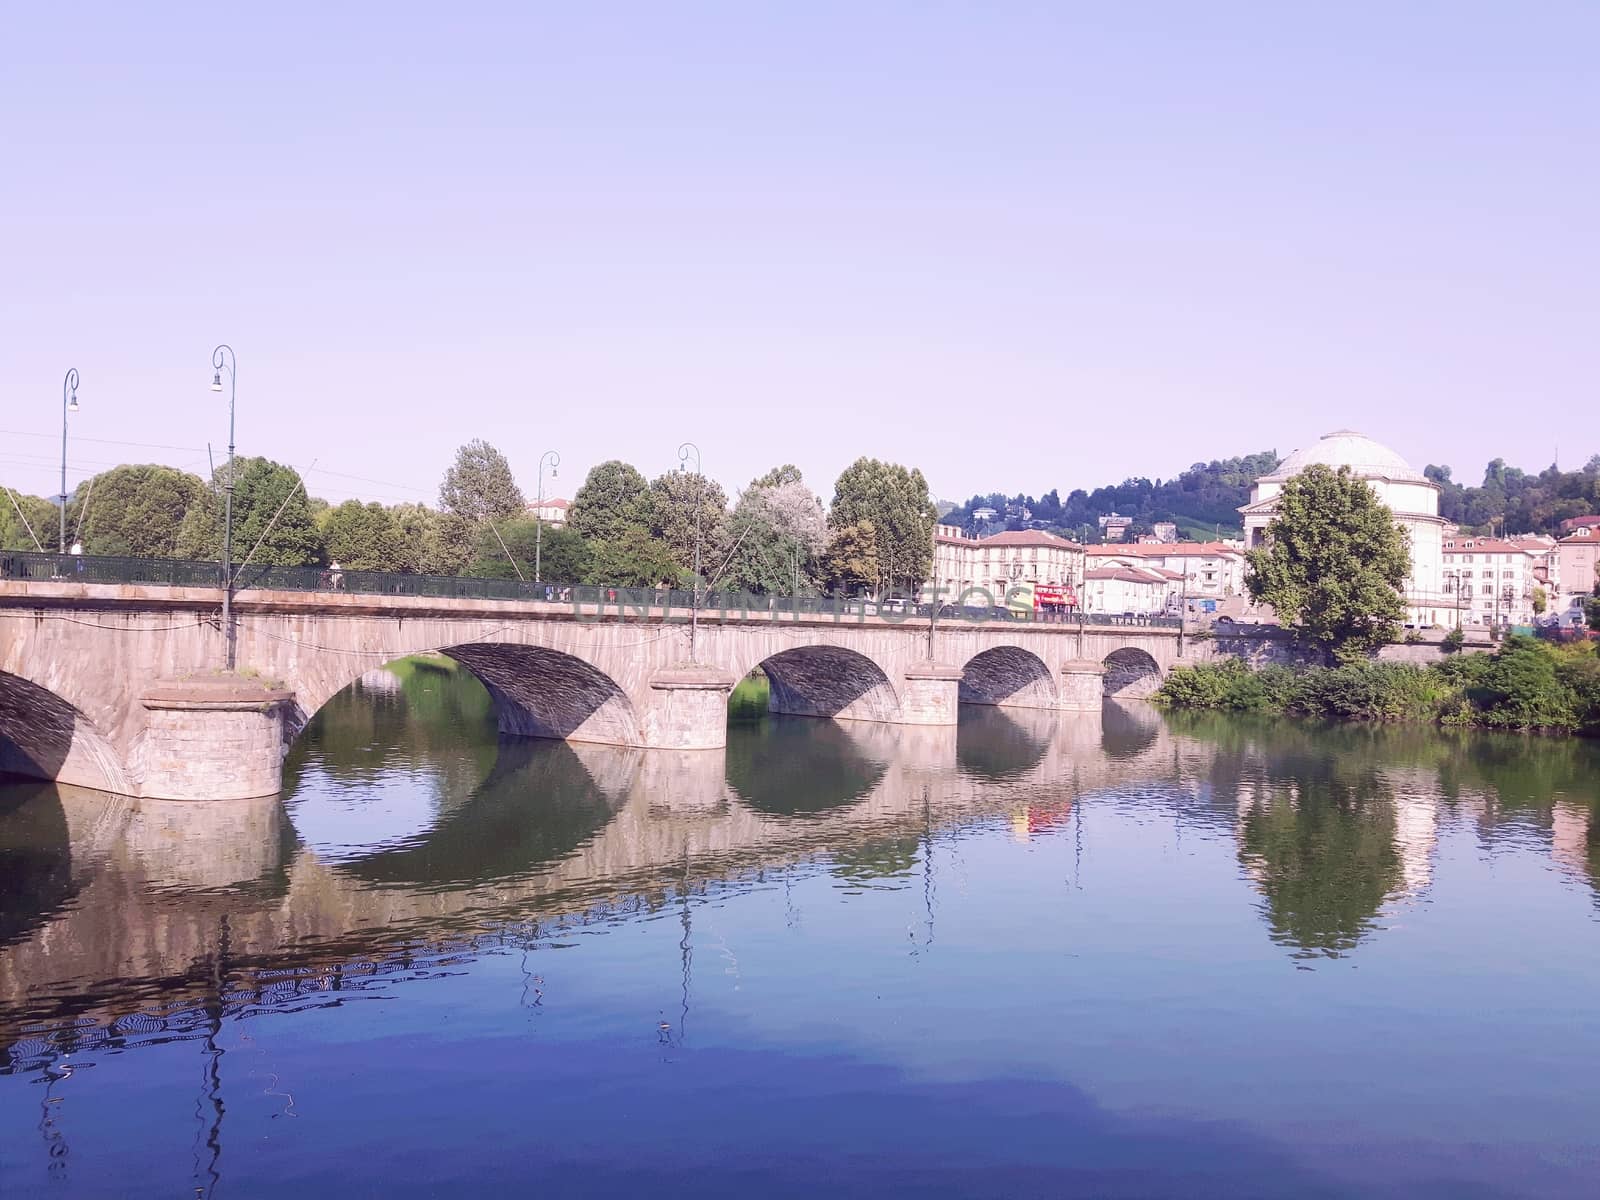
(1333, 563)
(776, 530)
(479, 485)
(850, 561)
(687, 508)
(633, 560)
(613, 499)
(895, 501)
(263, 489)
(37, 512)
(564, 556)
(364, 537)
(134, 511)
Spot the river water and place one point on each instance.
(1135, 955)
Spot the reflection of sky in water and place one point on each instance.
(340, 819)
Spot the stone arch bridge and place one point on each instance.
(118, 686)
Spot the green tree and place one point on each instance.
(432, 543)
(687, 508)
(613, 499)
(634, 560)
(563, 555)
(1333, 563)
(479, 486)
(1541, 600)
(364, 537)
(895, 501)
(850, 561)
(776, 531)
(36, 512)
(264, 489)
(134, 511)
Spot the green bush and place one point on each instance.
(1526, 684)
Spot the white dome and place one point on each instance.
(1366, 458)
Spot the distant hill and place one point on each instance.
(1202, 501)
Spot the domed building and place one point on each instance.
(1409, 494)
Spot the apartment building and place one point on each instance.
(1491, 578)
(1205, 570)
(1002, 561)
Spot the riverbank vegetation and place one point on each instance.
(1525, 685)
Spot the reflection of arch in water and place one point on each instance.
(1132, 674)
(35, 857)
(1128, 730)
(829, 681)
(44, 737)
(1008, 675)
(536, 807)
(794, 768)
(993, 744)
(412, 712)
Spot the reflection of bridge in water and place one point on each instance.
(125, 890)
(129, 920)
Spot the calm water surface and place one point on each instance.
(1127, 956)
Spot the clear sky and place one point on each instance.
(1021, 246)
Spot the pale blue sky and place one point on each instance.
(1018, 245)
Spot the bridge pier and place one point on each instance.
(687, 709)
(215, 737)
(931, 694)
(1083, 685)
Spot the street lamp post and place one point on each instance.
(538, 513)
(684, 451)
(227, 362)
(69, 388)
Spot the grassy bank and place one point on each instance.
(1526, 685)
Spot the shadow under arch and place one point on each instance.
(42, 736)
(537, 805)
(829, 681)
(790, 768)
(35, 857)
(544, 693)
(1131, 674)
(1008, 675)
(997, 745)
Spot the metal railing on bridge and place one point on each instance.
(637, 601)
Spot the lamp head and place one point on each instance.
(72, 404)
(216, 382)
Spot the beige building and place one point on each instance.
(1409, 494)
(1207, 570)
(1135, 591)
(551, 512)
(1003, 561)
(1579, 555)
(1493, 578)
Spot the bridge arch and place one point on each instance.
(536, 691)
(44, 736)
(1131, 674)
(829, 681)
(1008, 675)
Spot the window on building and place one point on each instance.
(1488, 589)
